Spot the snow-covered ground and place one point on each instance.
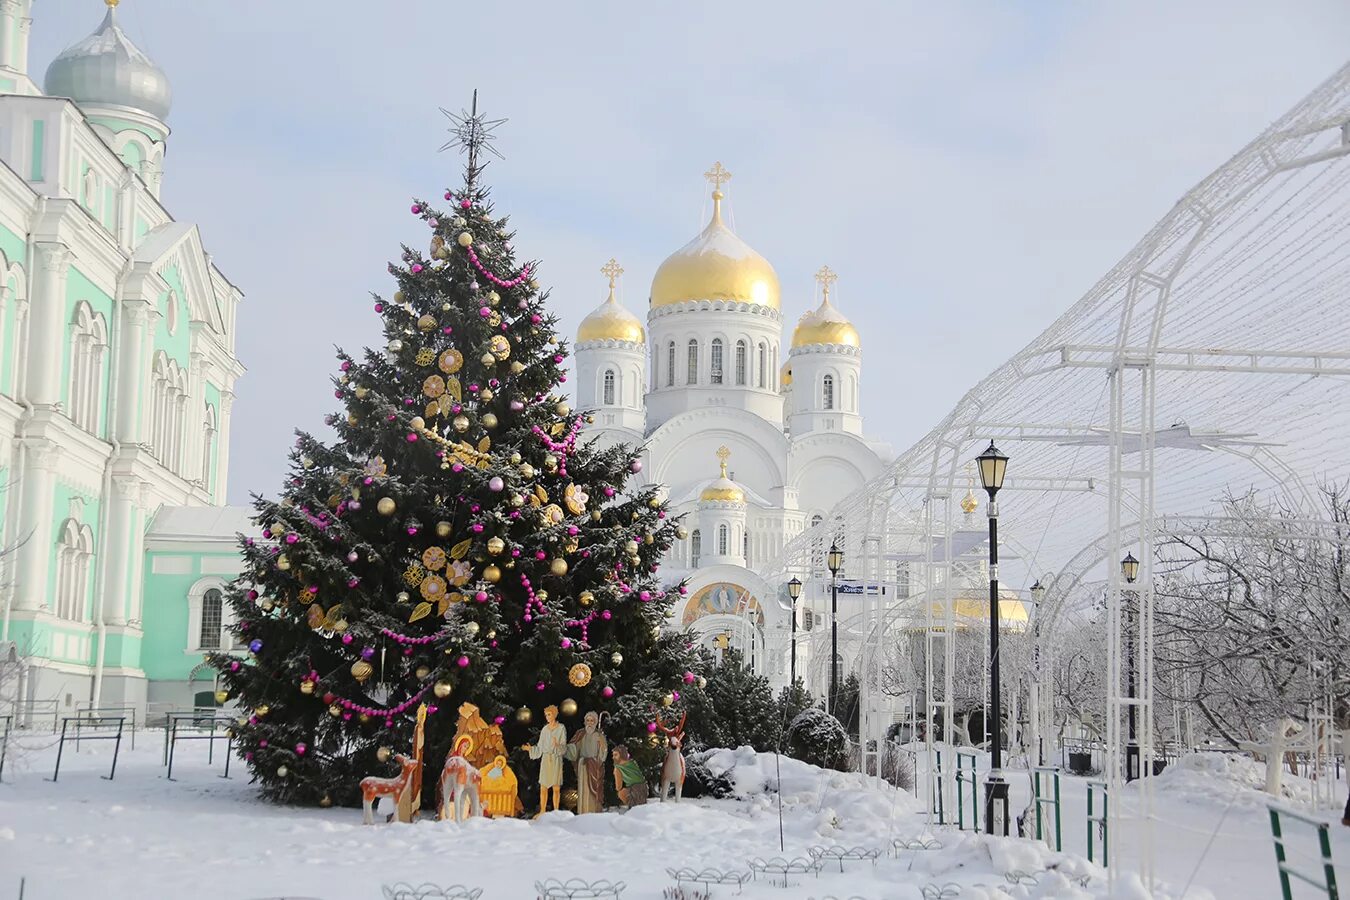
(205, 837)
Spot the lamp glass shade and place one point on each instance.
(795, 588)
(835, 559)
(1129, 567)
(993, 465)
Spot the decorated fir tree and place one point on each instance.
(459, 542)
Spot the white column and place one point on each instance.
(21, 50)
(193, 410)
(222, 446)
(37, 482)
(133, 377)
(119, 549)
(9, 32)
(46, 332)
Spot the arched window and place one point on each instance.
(74, 553)
(817, 546)
(722, 541)
(670, 365)
(691, 377)
(208, 443)
(716, 361)
(763, 361)
(745, 546)
(609, 387)
(88, 344)
(695, 548)
(827, 398)
(740, 362)
(213, 603)
(168, 412)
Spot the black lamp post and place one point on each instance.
(1129, 567)
(795, 592)
(993, 465)
(835, 560)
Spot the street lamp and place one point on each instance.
(835, 560)
(993, 466)
(795, 592)
(1034, 691)
(1129, 567)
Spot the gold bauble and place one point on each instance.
(421, 672)
(277, 529)
(563, 409)
(488, 360)
(335, 710)
(443, 529)
(361, 670)
(682, 532)
(282, 771)
(306, 687)
(558, 566)
(361, 393)
(648, 539)
(221, 697)
(568, 707)
(426, 322)
(386, 506)
(579, 675)
(464, 239)
(702, 682)
(383, 754)
(486, 394)
(551, 463)
(398, 296)
(667, 700)
(595, 515)
(442, 253)
(585, 598)
(417, 423)
(266, 605)
(403, 596)
(261, 710)
(631, 547)
(461, 423)
(492, 574)
(493, 298)
(283, 562)
(472, 627)
(517, 501)
(523, 715)
(542, 595)
(515, 457)
(489, 420)
(363, 719)
(353, 418)
(616, 657)
(517, 367)
(442, 689)
(495, 545)
(526, 470)
(325, 801)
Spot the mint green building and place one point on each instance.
(117, 372)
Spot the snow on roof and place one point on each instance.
(180, 523)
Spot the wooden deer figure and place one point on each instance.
(374, 787)
(672, 770)
(460, 781)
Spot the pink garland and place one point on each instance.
(519, 279)
(387, 713)
(564, 448)
(412, 641)
(532, 600)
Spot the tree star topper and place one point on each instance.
(472, 131)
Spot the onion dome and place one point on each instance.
(723, 489)
(970, 609)
(825, 324)
(107, 69)
(785, 375)
(716, 265)
(610, 321)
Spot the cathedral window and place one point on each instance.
(209, 635)
(763, 359)
(89, 343)
(745, 546)
(73, 556)
(691, 377)
(722, 541)
(740, 362)
(609, 387)
(716, 361)
(169, 400)
(695, 548)
(208, 443)
(827, 400)
(670, 364)
(817, 546)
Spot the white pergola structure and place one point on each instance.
(1215, 356)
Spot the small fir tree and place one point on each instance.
(459, 541)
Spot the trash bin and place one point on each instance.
(1080, 763)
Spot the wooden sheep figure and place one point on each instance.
(374, 787)
(672, 770)
(459, 785)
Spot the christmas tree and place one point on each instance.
(459, 541)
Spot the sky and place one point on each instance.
(969, 169)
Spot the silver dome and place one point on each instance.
(106, 68)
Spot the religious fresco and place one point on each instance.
(722, 598)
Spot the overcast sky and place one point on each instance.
(969, 169)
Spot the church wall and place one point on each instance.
(80, 289)
(167, 653)
(175, 343)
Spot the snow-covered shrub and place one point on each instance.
(701, 781)
(816, 737)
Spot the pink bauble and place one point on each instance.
(417, 267)
(462, 662)
(416, 209)
(300, 749)
(496, 484)
(465, 204)
(499, 719)
(651, 728)
(352, 557)
(635, 466)
(481, 596)
(540, 686)
(606, 615)
(411, 437)
(449, 196)
(379, 307)
(607, 691)
(346, 639)
(517, 406)
(567, 643)
(688, 677)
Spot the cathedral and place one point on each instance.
(117, 371)
(754, 441)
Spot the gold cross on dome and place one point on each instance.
(723, 454)
(613, 270)
(825, 277)
(717, 175)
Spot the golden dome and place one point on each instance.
(723, 489)
(825, 324)
(969, 504)
(785, 375)
(971, 608)
(716, 265)
(610, 321)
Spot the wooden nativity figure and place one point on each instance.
(588, 750)
(550, 751)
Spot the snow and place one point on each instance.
(1230, 778)
(207, 837)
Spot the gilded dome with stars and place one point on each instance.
(716, 265)
(723, 489)
(825, 324)
(610, 321)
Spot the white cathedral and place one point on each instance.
(753, 444)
